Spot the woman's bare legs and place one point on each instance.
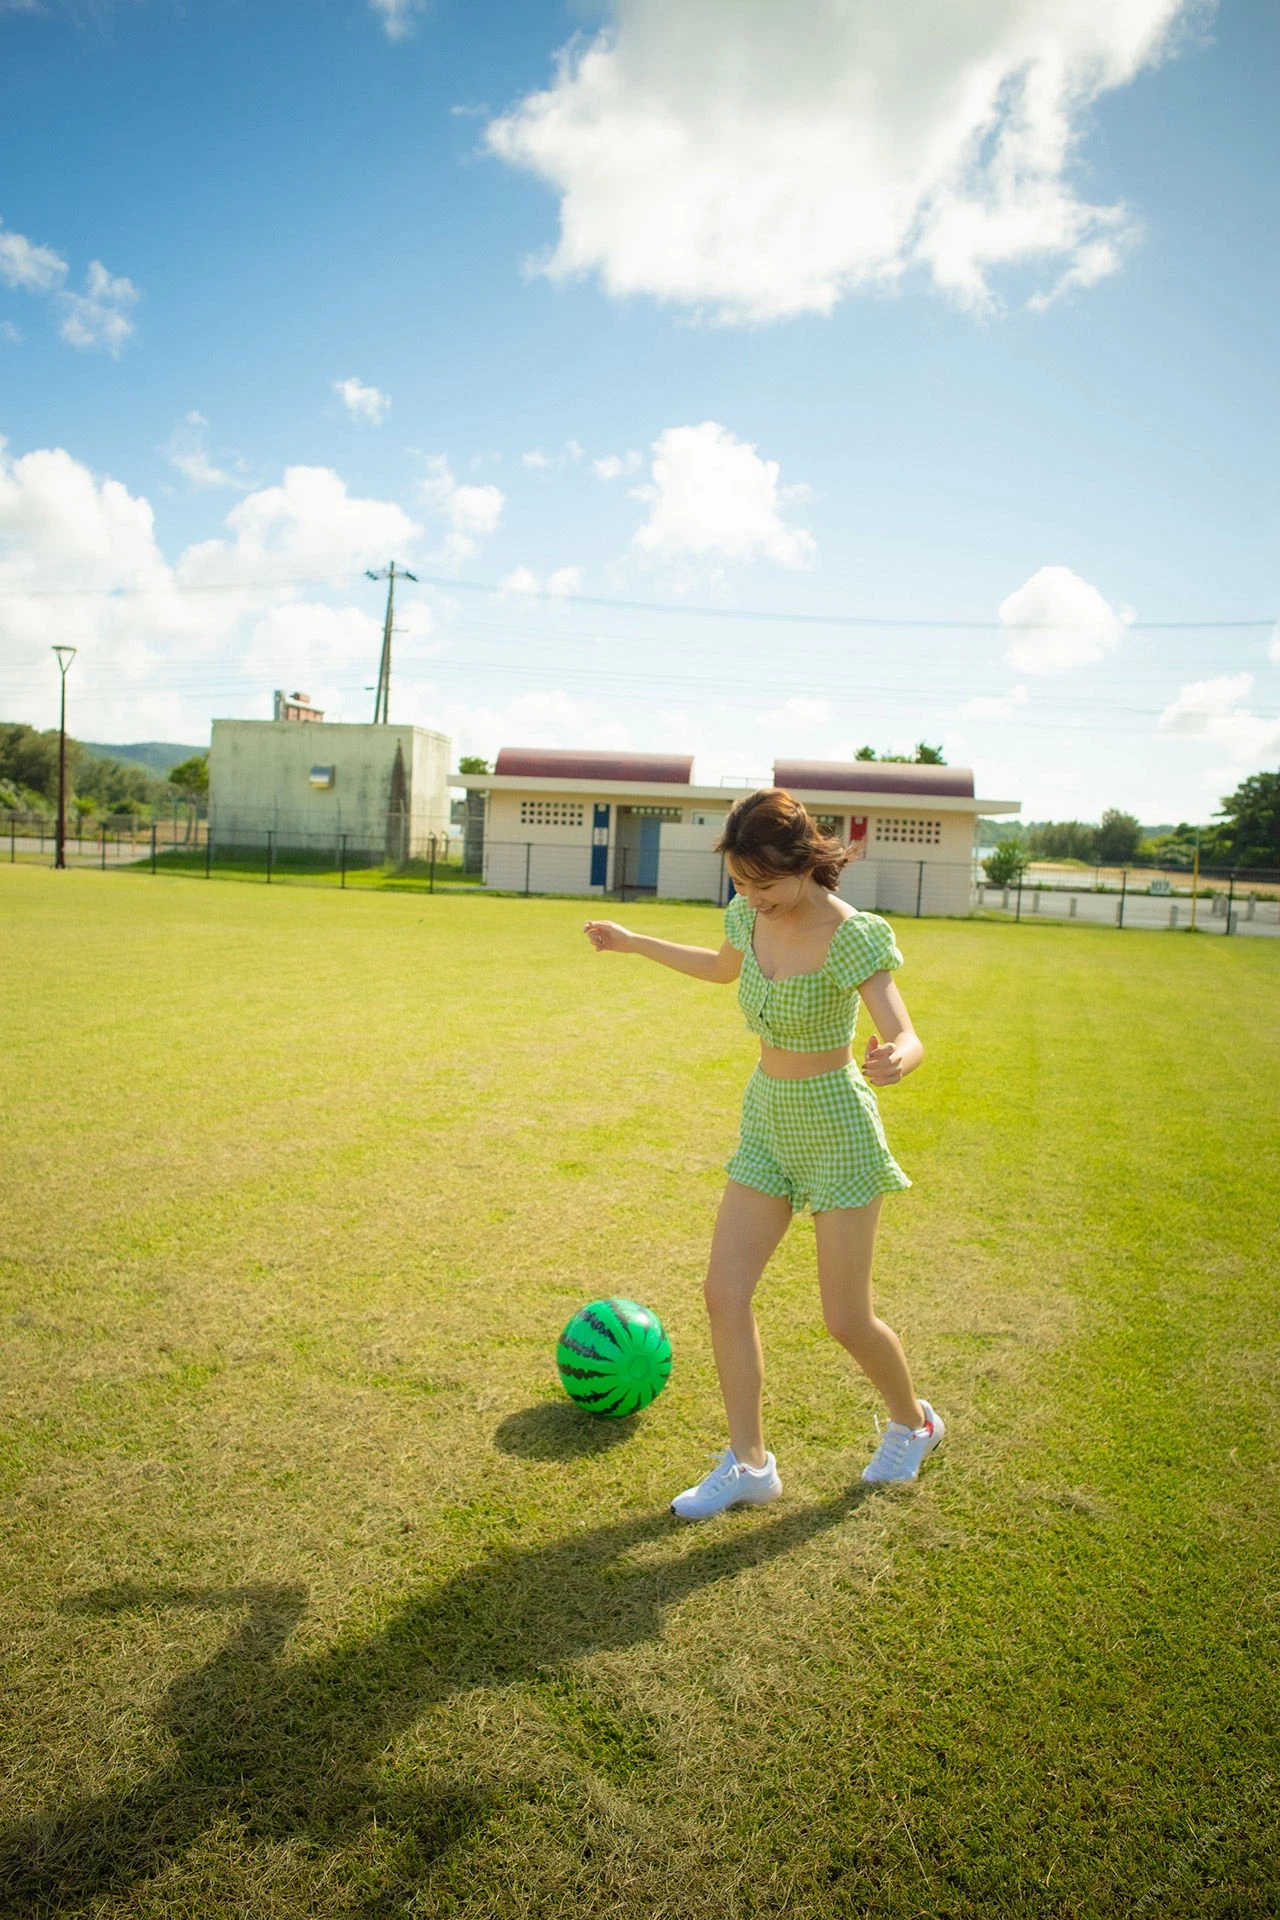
(846, 1244)
(749, 1226)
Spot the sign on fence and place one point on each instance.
(1158, 886)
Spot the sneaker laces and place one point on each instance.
(894, 1438)
(727, 1465)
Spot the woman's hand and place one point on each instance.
(606, 936)
(884, 1063)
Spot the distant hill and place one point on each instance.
(157, 756)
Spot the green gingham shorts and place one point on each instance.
(817, 1143)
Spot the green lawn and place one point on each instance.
(318, 1600)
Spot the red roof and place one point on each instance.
(542, 763)
(873, 776)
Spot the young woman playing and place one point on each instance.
(811, 1130)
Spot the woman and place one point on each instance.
(811, 1130)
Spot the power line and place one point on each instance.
(918, 623)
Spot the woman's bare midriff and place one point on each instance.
(781, 1064)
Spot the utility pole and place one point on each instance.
(382, 698)
(60, 842)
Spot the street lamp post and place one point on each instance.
(60, 852)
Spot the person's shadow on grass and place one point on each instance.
(289, 1751)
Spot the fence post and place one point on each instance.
(342, 858)
(103, 862)
(153, 846)
(208, 851)
(13, 839)
(1231, 894)
(431, 872)
(1018, 911)
(271, 847)
(919, 886)
(528, 854)
(1124, 882)
(1071, 910)
(1173, 913)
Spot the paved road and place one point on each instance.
(1140, 910)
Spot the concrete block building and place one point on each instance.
(384, 787)
(637, 824)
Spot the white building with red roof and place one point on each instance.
(638, 824)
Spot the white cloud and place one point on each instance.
(23, 264)
(524, 580)
(470, 512)
(80, 563)
(1214, 710)
(570, 454)
(1065, 622)
(551, 719)
(397, 16)
(994, 709)
(797, 718)
(9, 332)
(309, 528)
(1273, 651)
(363, 403)
(765, 161)
(712, 497)
(96, 317)
(613, 465)
(188, 452)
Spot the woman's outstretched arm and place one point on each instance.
(901, 1051)
(702, 963)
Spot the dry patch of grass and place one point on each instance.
(318, 1601)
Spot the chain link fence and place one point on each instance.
(1226, 900)
(1218, 900)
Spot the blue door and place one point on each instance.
(649, 834)
(600, 847)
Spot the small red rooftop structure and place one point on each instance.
(873, 776)
(540, 763)
(294, 706)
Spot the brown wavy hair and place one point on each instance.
(769, 833)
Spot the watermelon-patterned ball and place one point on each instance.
(613, 1357)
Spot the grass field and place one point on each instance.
(319, 1601)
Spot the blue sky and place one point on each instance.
(810, 312)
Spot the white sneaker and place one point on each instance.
(903, 1450)
(729, 1484)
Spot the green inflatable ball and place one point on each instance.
(613, 1357)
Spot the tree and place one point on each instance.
(191, 777)
(1062, 840)
(992, 833)
(1250, 833)
(1006, 866)
(30, 760)
(1175, 850)
(472, 763)
(924, 756)
(1118, 837)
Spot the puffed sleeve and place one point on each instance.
(738, 919)
(863, 945)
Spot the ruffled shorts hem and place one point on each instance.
(822, 1200)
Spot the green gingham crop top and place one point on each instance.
(809, 1012)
